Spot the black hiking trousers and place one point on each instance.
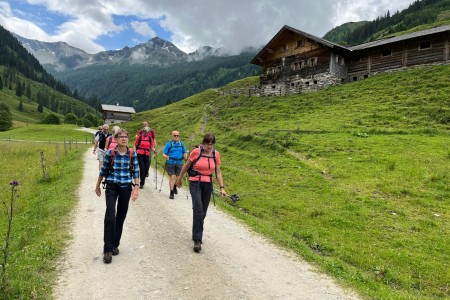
(114, 220)
(201, 196)
(144, 165)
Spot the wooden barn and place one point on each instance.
(115, 114)
(295, 61)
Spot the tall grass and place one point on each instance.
(41, 216)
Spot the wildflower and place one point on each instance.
(13, 183)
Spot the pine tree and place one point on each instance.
(6, 120)
(20, 108)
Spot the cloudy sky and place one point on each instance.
(97, 25)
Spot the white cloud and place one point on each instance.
(233, 24)
(143, 29)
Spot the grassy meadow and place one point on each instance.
(40, 226)
(354, 178)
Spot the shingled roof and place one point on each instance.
(117, 108)
(400, 38)
(291, 29)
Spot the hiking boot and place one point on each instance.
(171, 195)
(115, 251)
(175, 191)
(197, 246)
(107, 257)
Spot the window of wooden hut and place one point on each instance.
(425, 45)
(300, 43)
(284, 48)
(312, 61)
(339, 60)
(386, 52)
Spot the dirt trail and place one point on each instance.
(156, 259)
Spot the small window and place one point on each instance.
(386, 52)
(284, 48)
(312, 61)
(355, 78)
(339, 60)
(425, 45)
(300, 43)
(315, 81)
(297, 65)
(366, 76)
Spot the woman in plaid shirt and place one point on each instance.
(122, 183)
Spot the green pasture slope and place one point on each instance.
(354, 178)
(40, 227)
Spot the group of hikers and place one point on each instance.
(123, 171)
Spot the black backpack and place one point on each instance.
(192, 172)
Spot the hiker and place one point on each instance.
(174, 153)
(202, 163)
(97, 133)
(143, 146)
(111, 142)
(152, 135)
(100, 144)
(120, 168)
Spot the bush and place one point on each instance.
(86, 122)
(70, 118)
(93, 119)
(51, 119)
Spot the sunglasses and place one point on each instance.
(175, 135)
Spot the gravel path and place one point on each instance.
(156, 259)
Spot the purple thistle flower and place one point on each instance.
(13, 183)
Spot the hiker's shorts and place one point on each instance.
(101, 154)
(174, 169)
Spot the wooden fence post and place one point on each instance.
(43, 165)
(65, 146)
(57, 153)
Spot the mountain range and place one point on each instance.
(60, 56)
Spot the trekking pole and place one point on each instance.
(156, 171)
(162, 179)
(233, 197)
(187, 185)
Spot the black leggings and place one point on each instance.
(201, 196)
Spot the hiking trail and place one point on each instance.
(156, 259)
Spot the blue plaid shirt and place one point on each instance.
(120, 173)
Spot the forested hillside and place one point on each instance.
(146, 87)
(30, 92)
(418, 13)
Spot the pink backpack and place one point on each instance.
(112, 143)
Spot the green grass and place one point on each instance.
(41, 218)
(48, 133)
(353, 178)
